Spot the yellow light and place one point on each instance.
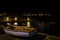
(15, 18)
(28, 24)
(28, 19)
(7, 18)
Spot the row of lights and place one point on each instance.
(37, 15)
(2, 14)
(15, 18)
(9, 19)
(16, 23)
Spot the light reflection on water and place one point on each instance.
(19, 39)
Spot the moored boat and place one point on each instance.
(20, 31)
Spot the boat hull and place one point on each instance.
(21, 34)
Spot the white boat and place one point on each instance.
(30, 32)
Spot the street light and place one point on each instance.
(15, 23)
(15, 18)
(28, 22)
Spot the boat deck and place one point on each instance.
(21, 28)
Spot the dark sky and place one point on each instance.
(17, 6)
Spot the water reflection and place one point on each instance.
(19, 39)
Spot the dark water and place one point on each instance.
(34, 37)
(10, 37)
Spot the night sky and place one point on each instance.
(17, 6)
(29, 6)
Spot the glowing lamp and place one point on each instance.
(15, 23)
